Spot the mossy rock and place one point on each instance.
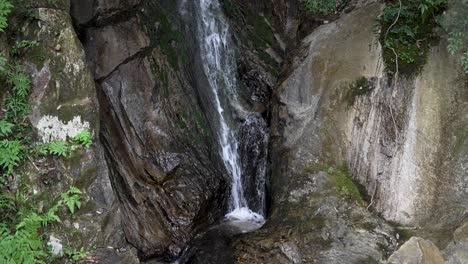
(360, 87)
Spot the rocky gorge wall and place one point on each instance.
(130, 72)
(337, 109)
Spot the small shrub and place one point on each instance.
(25, 244)
(407, 31)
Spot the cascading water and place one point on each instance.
(220, 69)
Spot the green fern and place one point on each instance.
(5, 10)
(71, 198)
(16, 104)
(5, 128)
(23, 45)
(77, 255)
(20, 82)
(11, 155)
(58, 148)
(26, 243)
(83, 138)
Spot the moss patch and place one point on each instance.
(362, 86)
(340, 179)
(164, 33)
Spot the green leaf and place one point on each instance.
(5, 128)
(5, 10)
(11, 154)
(59, 148)
(84, 138)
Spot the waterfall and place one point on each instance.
(220, 68)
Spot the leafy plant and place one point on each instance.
(11, 155)
(71, 198)
(58, 148)
(83, 138)
(23, 218)
(407, 31)
(5, 128)
(16, 103)
(3, 62)
(23, 44)
(5, 10)
(76, 255)
(26, 244)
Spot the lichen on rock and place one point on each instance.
(50, 128)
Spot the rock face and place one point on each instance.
(153, 179)
(337, 108)
(392, 133)
(159, 145)
(311, 220)
(63, 103)
(253, 150)
(417, 251)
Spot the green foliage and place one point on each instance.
(11, 155)
(58, 148)
(25, 244)
(71, 198)
(407, 31)
(5, 128)
(84, 138)
(23, 45)
(77, 255)
(323, 6)
(455, 22)
(5, 10)
(16, 104)
(23, 216)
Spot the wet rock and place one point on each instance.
(417, 251)
(253, 138)
(310, 221)
(169, 182)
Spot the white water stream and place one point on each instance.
(220, 69)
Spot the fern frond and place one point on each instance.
(5, 128)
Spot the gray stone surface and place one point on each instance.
(417, 251)
(456, 251)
